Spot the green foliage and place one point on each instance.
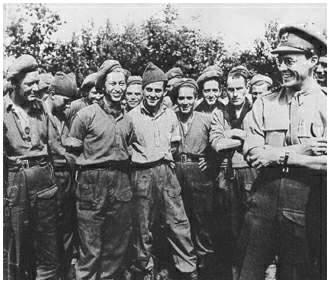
(159, 39)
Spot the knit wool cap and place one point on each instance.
(261, 78)
(23, 64)
(211, 72)
(152, 74)
(134, 80)
(107, 67)
(45, 80)
(63, 84)
(175, 72)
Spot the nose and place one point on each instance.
(282, 67)
(35, 87)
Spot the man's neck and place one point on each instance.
(152, 110)
(185, 117)
(112, 105)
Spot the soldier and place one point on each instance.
(89, 96)
(235, 177)
(173, 75)
(133, 93)
(156, 187)
(103, 186)
(61, 90)
(260, 85)
(210, 87)
(321, 72)
(286, 141)
(31, 249)
(196, 175)
(44, 82)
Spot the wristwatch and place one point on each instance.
(284, 162)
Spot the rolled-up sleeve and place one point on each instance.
(78, 130)
(218, 139)
(253, 125)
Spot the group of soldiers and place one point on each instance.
(162, 176)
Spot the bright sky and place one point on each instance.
(240, 23)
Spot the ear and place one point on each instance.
(314, 60)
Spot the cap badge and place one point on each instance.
(285, 37)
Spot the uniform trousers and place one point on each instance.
(104, 222)
(276, 224)
(158, 202)
(198, 191)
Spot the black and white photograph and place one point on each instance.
(164, 140)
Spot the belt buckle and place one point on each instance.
(183, 158)
(25, 163)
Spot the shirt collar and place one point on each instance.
(310, 89)
(8, 103)
(145, 111)
(117, 114)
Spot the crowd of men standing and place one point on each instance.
(162, 176)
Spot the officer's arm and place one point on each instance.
(311, 162)
(218, 139)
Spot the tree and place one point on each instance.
(31, 32)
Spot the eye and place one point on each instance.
(148, 89)
(158, 90)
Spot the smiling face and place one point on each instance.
(237, 90)
(94, 96)
(133, 95)
(186, 100)
(295, 68)
(27, 87)
(211, 91)
(153, 94)
(115, 86)
(258, 90)
(321, 73)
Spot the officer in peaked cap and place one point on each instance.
(288, 193)
(260, 85)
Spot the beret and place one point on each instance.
(152, 74)
(240, 70)
(175, 72)
(211, 72)
(107, 67)
(23, 64)
(134, 80)
(45, 80)
(260, 78)
(89, 82)
(63, 84)
(296, 39)
(182, 83)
